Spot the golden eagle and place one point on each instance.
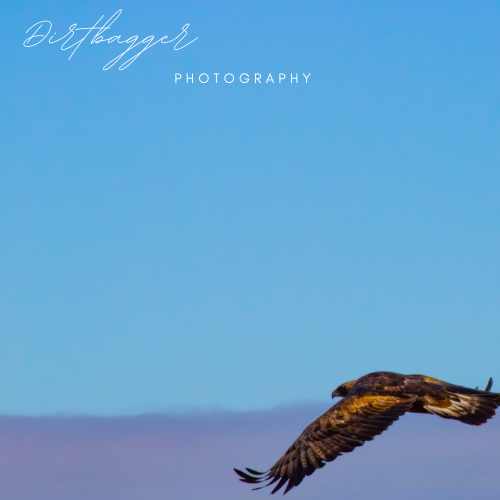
(369, 406)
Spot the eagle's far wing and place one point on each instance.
(349, 423)
(489, 386)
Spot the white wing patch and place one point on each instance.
(460, 405)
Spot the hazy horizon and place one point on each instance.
(186, 457)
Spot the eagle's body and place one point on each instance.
(369, 406)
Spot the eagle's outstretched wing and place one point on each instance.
(357, 418)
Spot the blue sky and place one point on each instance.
(169, 247)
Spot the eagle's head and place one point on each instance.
(343, 389)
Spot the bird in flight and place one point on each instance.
(369, 405)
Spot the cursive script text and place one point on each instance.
(42, 30)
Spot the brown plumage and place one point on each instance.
(369, 406)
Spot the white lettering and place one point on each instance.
(34, 35)
(45, 27)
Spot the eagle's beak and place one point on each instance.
(335, 394)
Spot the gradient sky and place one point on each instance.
(169, 247)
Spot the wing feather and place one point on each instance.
(470, 406)
(348, 424)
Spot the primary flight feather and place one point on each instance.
(369, 405)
